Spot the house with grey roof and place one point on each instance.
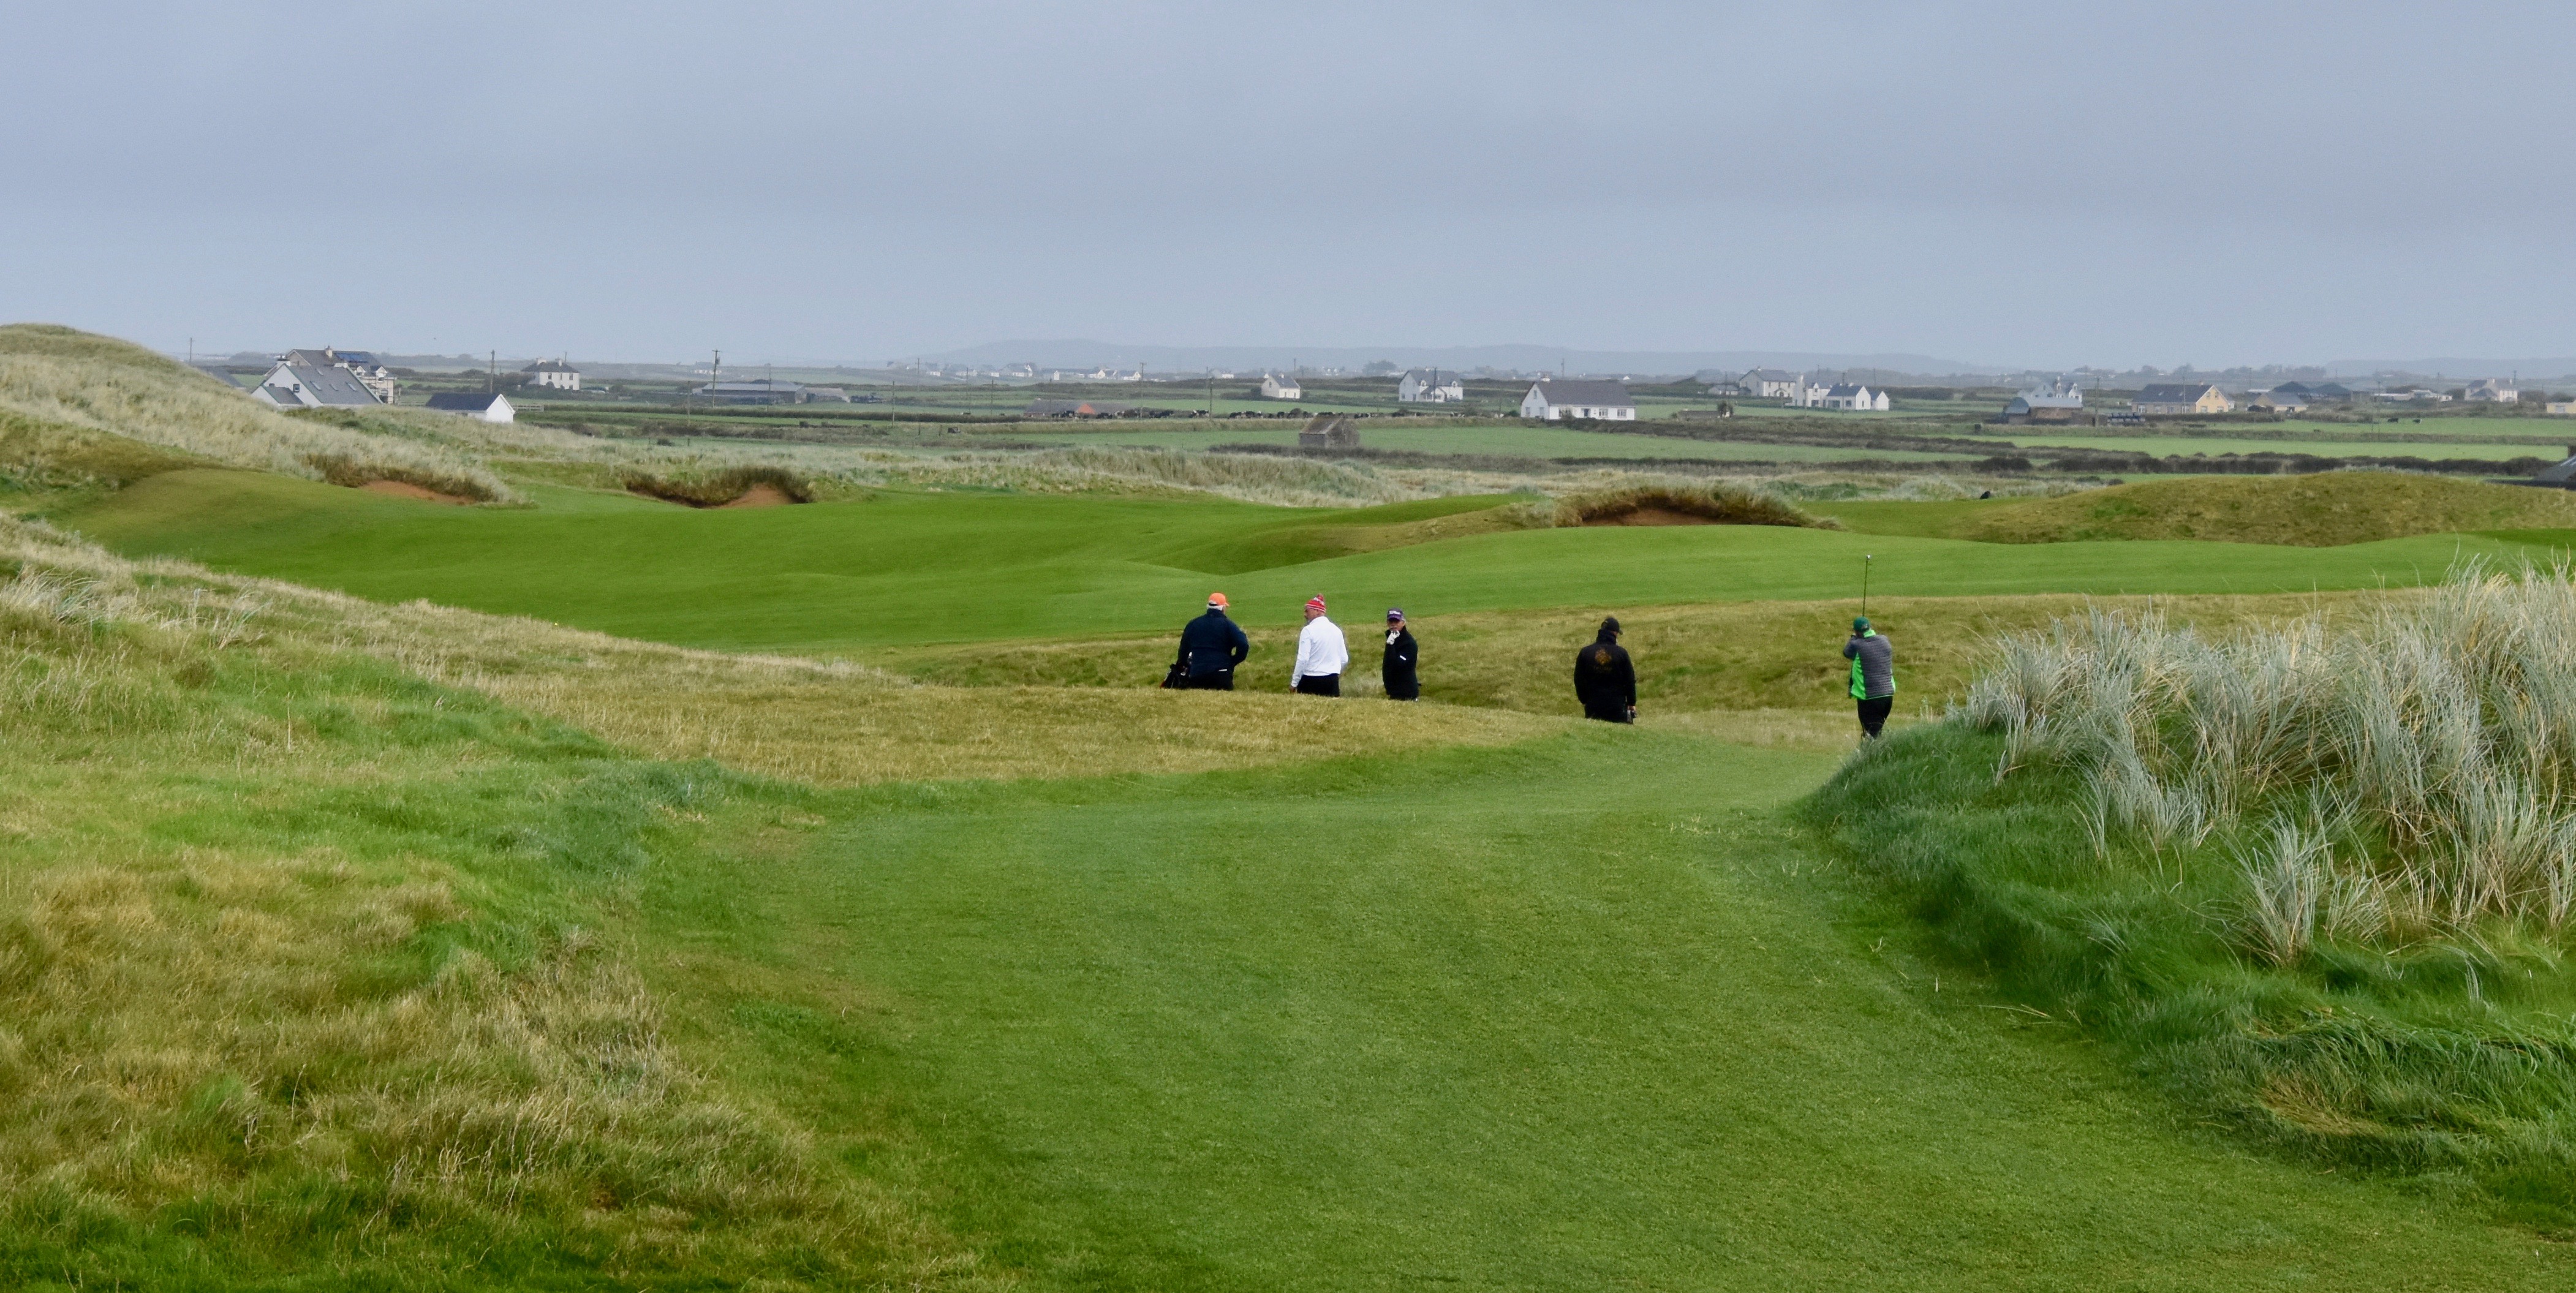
(494, 407)
(363, 365)
(1275, 387)
(1430, 386)
(1852, 397)
(2058, 401)
(2181, 399)
(306, 386)
(1555, 399)
(553, 373)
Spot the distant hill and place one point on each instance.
(1075, 352)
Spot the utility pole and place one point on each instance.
(493, 378)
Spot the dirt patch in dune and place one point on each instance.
(1651, 516)
(734, 487)
(405, 489)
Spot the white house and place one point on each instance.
(2057, 401)
(1429, 387)
(312, 386)
(1772, 384)
(1552, 400)
(2487, 390)
(482, 408)
(378, 379)
(1852, 398)
(1274, 387)
(554, 373)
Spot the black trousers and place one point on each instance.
(1320, 684)
(1217, 680)
(1873, 715)
(1608, 711)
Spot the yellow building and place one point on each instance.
(2181, 399)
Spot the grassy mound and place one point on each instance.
(2319, 880)
(2320, 511)
(66, 388)
(723, 487)
(1713, 503)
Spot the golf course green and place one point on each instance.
(902, 568)
(860, 916)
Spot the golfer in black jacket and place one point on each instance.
(1402, 683)
(1211, 646)
(1603, 679)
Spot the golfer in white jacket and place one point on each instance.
(1321, 654)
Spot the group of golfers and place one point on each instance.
(1213, 645)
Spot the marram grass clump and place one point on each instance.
(2319, 878)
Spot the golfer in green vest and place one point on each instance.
(1873, 676)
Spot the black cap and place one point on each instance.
(1610, 625)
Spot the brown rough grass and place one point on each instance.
(1768, 657)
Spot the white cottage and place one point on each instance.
(482, 408)
(1553, 400)
(553, 373)
(1274, 387)
(315, 386)
(1427, 386)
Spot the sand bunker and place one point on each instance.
(761, 496)
(405, 489)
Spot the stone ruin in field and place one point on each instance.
(1329, 431)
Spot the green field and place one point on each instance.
(2464, 445)
(1507, 440)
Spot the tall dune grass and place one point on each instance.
(2409, 777)
(67, 378)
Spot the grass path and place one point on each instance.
(1568, 1015)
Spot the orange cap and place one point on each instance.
(1217, 600)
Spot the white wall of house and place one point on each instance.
(562, 379)
(500, 411)
(1279, 388)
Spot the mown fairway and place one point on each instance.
(907, 568)
(1576, 1015)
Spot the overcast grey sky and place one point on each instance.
(2039, 184)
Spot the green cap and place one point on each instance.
(1860, 624)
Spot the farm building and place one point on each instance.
(495, 407)
(2176, 399)
(553, 373)
(1552, 401)
(1281, 388)
(2560, 408)
(2058, 401)
(1329, 431)
(2487, 390)
(311, 386)
(763, 391)
(1852, 397)
(2562, 476)
(1422, 386)
(2280, 399)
